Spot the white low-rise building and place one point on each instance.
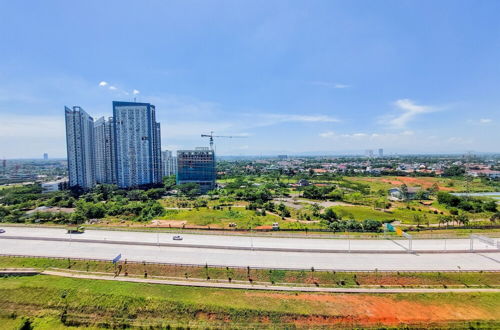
(52, 186)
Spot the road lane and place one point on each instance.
(256, 242)
(266, 259)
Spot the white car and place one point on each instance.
(177, 238)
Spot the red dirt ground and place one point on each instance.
(411, 181)
(380, 310)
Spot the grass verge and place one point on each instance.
(77, 302)
(277, 277)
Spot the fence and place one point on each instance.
(258, 268)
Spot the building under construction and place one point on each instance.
(197, 166)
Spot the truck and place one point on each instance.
(75, 229)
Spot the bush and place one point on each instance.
(373, 226)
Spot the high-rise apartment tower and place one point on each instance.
(80, 147)
(169, 163)
(137, 144)
(104, 151)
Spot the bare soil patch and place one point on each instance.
(379, 310)
(412, 181)
(168, 223)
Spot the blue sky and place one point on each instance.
(293, 76)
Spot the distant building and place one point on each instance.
(381, 152)
(54, 185)
(197, 166)
(282, 157)
(303, 183)
(369, 153)
(397, 193)
(45, 156)
(137, 144)
(491, 174)
(80, 147)
(169, 163)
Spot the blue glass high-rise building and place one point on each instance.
(137, 144)
(197, 166)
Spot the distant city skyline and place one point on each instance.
(299, 78)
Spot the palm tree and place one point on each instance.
(495, 217)
(418, 219)
(443, 220)
(463, 219)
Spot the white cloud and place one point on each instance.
(300, 118)
(113, 88)
(103, 83)
(328, 84)
(410, 111)
(365, 136)
(327, 134)
(485, 121)
(135, 92)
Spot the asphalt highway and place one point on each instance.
(250, 242)
(102, 245)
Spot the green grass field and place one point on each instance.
(221, 218)
(445, 184)
(58, 302)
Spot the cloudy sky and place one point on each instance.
(291, 76)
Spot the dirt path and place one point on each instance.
(291, 202)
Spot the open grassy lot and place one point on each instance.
(221, 218)
(115, 304)
(444, 184)
(360, 212)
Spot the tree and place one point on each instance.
(169, 182)
(137, 195)
(417, 219)
(337, 226)
(463, 219)
(190, 189)
(372, 225)
(421, 194)
(448, 199)
(330, 215)
(155, 193)
(443, 219)
(404, 191)
(353, 225)
(434, 189)
(490, 206)
(269, 206)
(282, 210)
(315, 208)
(454, 170)
(77, 218)
(495, 217)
